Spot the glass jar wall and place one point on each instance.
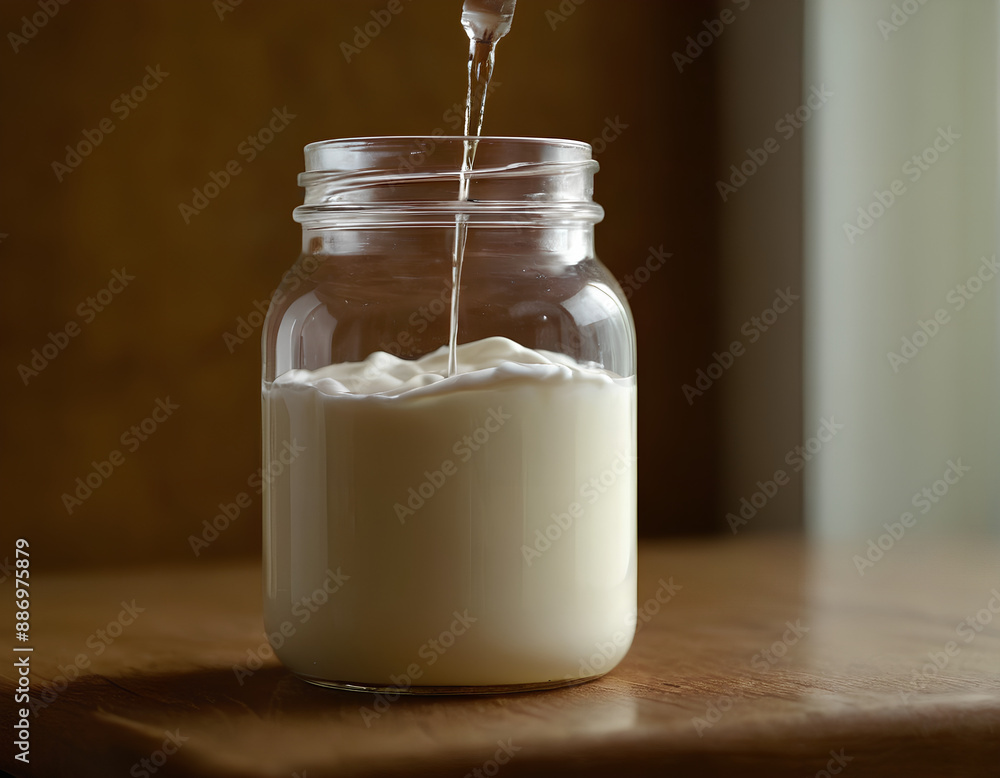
(436, 527)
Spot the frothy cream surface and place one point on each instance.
(486, 361)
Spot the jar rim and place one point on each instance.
(416, 179)
(319, 154)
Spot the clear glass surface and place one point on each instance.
(427, 533)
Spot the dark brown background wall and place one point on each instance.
(560, 74)
(760, 249)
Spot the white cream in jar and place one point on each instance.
(480, 528)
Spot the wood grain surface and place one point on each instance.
(763, 657)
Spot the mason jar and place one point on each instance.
(449, 400)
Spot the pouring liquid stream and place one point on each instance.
(485, 21)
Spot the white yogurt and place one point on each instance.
(475, 530)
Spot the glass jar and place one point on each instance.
(440, 529)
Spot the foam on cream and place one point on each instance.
(485, 361)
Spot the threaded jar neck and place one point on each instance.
(414, 180)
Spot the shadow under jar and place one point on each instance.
(437, 531)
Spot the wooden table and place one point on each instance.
(772, 658)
